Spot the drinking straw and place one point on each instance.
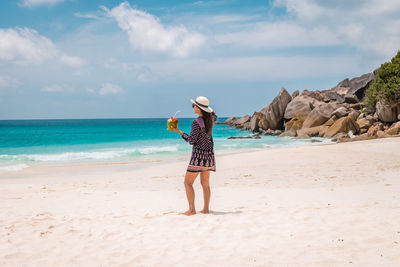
(176, 113)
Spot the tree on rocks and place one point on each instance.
(386, 87)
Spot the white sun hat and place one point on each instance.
(203, 103)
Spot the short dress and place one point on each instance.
(202, 158)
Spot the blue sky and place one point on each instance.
(127, 59)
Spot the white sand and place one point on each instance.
(328, 205)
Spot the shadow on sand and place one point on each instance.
(211, 213)
(225, 212)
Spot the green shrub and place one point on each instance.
(386, 86)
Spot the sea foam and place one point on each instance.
(16, 167)
(91, 155)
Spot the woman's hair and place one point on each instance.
(208, 120)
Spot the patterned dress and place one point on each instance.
(203, 158)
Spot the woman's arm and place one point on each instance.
(194, 133)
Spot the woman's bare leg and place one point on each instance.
(189, 180)
(205, 183)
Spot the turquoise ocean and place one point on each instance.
(25, 143)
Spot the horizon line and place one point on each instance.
(101, 118)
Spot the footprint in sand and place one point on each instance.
(169, 212)
(44, 234)
(148, 216)
(11, 228)
(73, 231)
(43, 214)
(43, 217)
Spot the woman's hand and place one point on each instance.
(172, 129)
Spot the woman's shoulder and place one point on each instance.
(214, 116)
(199, 121)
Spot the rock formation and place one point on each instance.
(387, 112)
(334, 113)
(299, 108)
(354, 89)
(274, 112)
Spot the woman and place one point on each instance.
(202, 160)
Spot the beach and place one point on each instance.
(324, 205)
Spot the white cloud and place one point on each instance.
(25, 45)
(134, 70)
(278, 35)
(212, 3)
(370, 27)
(33, 3)
(386, 7)
(6, 81)
(54, 88)
(346, 10)
(147, 34)
(304, 9)
(71, 61)
(88, 15)
(256, 68)
(90, 90)
(110, 89)
(229, 18)
(105, 89)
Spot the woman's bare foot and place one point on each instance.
(189, 212)
(205, 211)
